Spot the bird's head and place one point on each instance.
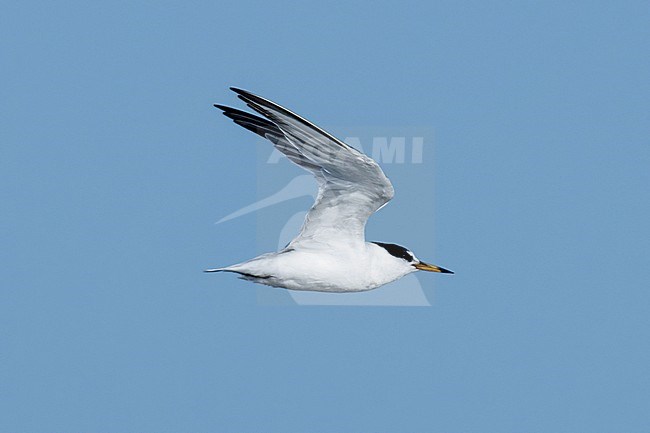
(406, 260)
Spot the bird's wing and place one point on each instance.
(351, 185)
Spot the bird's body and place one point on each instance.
(330, 254)
(325, 268)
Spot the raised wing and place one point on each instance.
(351, 185)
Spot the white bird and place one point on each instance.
(330, 253)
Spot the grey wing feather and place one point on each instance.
(269, 131)
(352, 186)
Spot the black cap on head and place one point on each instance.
(397, 251)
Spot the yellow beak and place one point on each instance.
(431, 268)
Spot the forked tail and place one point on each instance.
(242, 275)
(215, 270)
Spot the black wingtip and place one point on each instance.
(240, 91)
(247, 96)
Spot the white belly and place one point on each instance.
(313, 271)
(319, 272)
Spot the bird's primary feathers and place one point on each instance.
(330, 253)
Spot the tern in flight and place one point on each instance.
(330, 254)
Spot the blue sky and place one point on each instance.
(114, 168)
